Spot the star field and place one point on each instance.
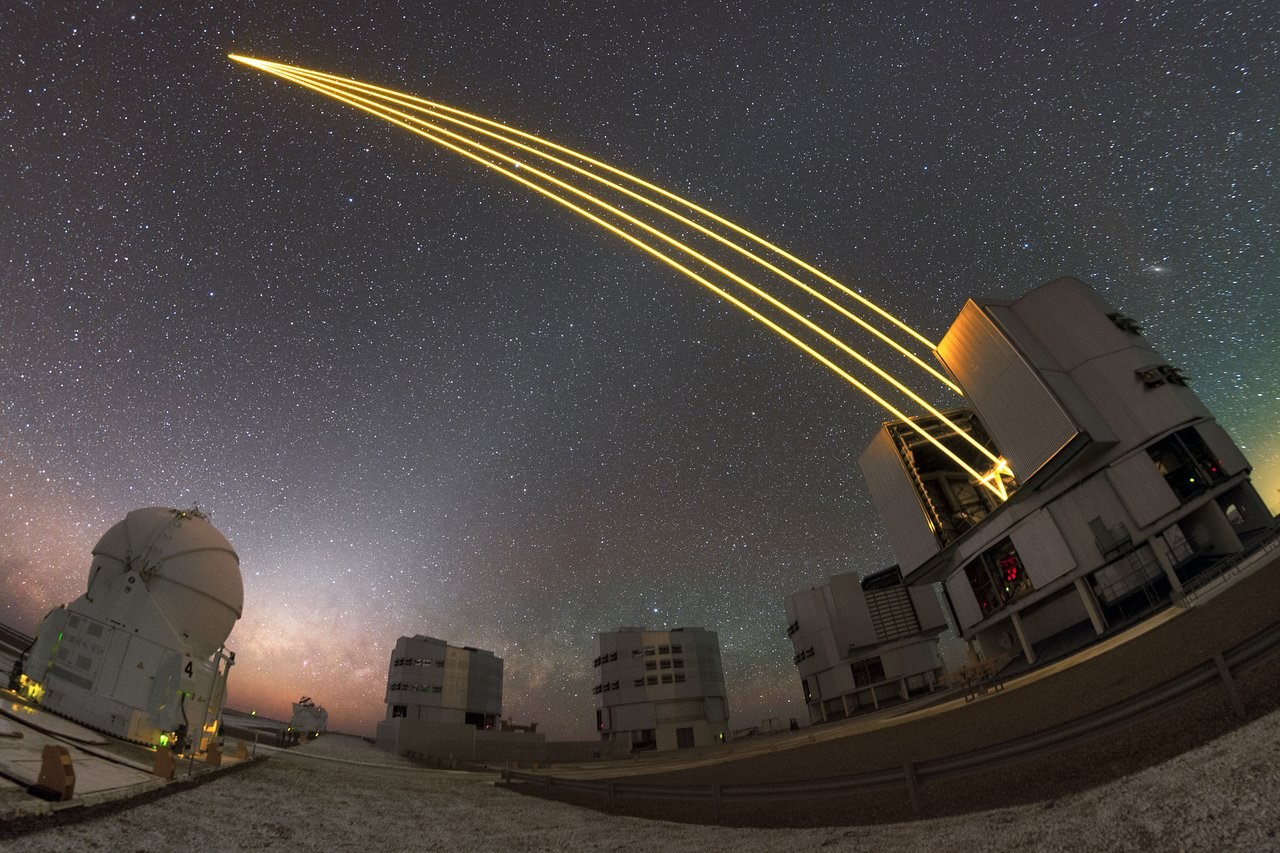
(418, 399)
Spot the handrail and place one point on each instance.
(1240, 657)
(1228, 566)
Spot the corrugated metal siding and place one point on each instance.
(1025, 420)
(962, 600)
(1043, 551)
(892, 615)
(910, 534)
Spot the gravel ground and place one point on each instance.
(339, 793)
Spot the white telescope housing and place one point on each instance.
(140, 655)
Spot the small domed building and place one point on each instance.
(140, 655)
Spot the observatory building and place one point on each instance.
(140, 655)
(438, 690)
(660, 690)
(862, 643)
(1127, 488)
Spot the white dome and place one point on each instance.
(187, 566)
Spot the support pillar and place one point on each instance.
(1091, 606)
(1160, 550)
(1016, 621)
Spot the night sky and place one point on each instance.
(419, 399)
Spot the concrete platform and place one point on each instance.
(106, 769)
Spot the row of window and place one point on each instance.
(414, 688)
(416, 662)
(677, 678)
(649, 651)
(665, 663)
(793, 628)
(807, 653)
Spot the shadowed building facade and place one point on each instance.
(660, 690)
(863, 643)
(435, 690)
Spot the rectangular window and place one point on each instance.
(664, 650)
(677, 650)
(651, 664)
(678, 663)
(664, 664)
(684, 738)
(997, 577)
(867, 672)
(679, 678)
(652, 679)
(1186, 463)
(399, 710)
(666, 679)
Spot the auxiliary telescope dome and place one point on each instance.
(141, 655)
(186, 565)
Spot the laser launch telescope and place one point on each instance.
(140, 655)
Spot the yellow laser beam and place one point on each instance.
(430, 108)
(382, 111)
(991, 480)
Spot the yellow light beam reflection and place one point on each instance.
(417, 105)
(993, 483)
(382, 111)
(266, 65)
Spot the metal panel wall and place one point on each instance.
(852, 618)
(1144, 493)
(928, 608)
(962, 601)
(910, 535)
(1042, 549)
(1025, 420)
